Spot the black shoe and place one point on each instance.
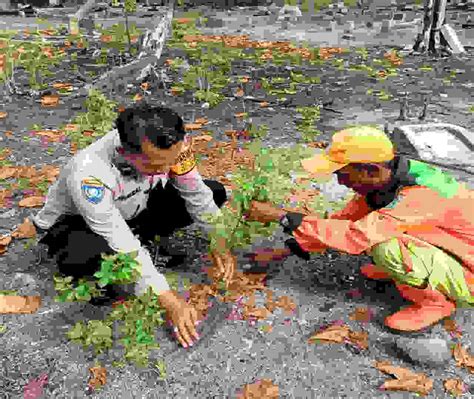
(175, 261)
(170, 251)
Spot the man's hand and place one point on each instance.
(264, 212)
(182, 315)
(225, 263)
(266, 255)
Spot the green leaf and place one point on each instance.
(8, 292)
(77, 332)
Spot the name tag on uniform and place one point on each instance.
(92, 190)
(186, 162)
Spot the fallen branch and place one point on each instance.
(151, 48)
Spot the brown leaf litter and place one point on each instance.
(455, 387)
(341, 334)
(16, 304)
(261, 389)
(25, 230)
(98, 378)
(463, 357)
(406, 380)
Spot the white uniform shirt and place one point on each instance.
(91, 185)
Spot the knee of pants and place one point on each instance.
(83, 249)
(218, 190)
(385, 249)
(387, 256)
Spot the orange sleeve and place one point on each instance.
(355, 209)
(346, 235)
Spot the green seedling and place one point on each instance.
(8, 292)
(306, 126)
(161, 366)
(425, 68)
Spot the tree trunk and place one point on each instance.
(431, 39)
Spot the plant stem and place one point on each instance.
(128, 33)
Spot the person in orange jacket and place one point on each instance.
(413, 219)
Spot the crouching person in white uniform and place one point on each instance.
(139, 180)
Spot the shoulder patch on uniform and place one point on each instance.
(92, 190)
(186, 162)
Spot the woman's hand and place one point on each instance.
(182, 315)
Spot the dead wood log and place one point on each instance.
(151, 47)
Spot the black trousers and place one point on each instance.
(78, 249)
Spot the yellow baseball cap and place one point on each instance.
(360, 144)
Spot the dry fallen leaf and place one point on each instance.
(451, 326)
(454, 386)
(99, 377)
(31, 202)
(285, 303)
(336, 334)
(4, 243)
(264, 104)
(50, 172)
(51, 100)
(463, 358)
(203, 137)
(361, 314)
(26, 171)
(145, 85)
(192, 126)
(359, 338)
(421, 385)
(8, 133)
(10, 304)
(175, 91)
(406, 380)
(184, 20)
(263, 389)
(3, 115)
(201, 121)
(137, 97)
(5, 198)
(5, 153)
(52, 135)
(25, 230)
(399, 372)
(239, 92)
(63, 86)
(257, 313)
(240, 114)
(7, 172)
(106, 38)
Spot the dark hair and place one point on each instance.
(162, 126)
(372, 167)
